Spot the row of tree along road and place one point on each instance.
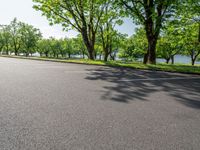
(165, 28)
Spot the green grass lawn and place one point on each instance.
(182, 68)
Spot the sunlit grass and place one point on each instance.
(183, 68)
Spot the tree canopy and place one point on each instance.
(164, 29)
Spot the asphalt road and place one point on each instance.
(56, 106)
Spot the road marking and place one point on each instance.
(160, 79)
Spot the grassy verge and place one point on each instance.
(135, 65)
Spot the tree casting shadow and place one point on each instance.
(125, 85)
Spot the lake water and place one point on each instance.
(177, 59)
(180, 59)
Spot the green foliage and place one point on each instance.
(70, 47)
(2, 40)
(29, 37)
(135, 65)
(107, 32)
(81, 15)
(140, 42)
(59, 48)
(6, 39)
(18, 37)
(151, 14)
(170, 42)
(166, 28)
(16, 41)
(135, 46)
(191, 41)
(80, 46)
(187, 19)
(43, 47)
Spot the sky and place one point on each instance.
(23, 11)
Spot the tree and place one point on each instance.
(167, 49)
(150, 14)
(82, 15)
(140, 43)
(6, 37)
(43, 47)
(55, 47)
(15, 35)
(2, 40)
(171, 41)
(29, 37)
(62, 49)
(107, 31)
(189, 13)
(80, 46)
(69, 46)
(118, 43)
(127, 53)
(135, 46)
(191, 43)
(188, 17)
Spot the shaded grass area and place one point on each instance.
(182, 68)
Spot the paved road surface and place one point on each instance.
(55, 106)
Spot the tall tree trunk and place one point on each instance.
(151, 58)
(192, 55)
(16, 52)
(27, 54)
(150, 33)
(91, 53)
(172, 59)
(89, 44)
(100, 56)
(106, 57)
(46, 54)
(193, 62)
(113, 56)
(7, 50)
(167, 60)
(69, 55)
(152, 41)
(90, 49)
(95, 55)
(1, 50)
(83, 55)
(145, 58)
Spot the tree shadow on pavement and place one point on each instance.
(126, 85)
